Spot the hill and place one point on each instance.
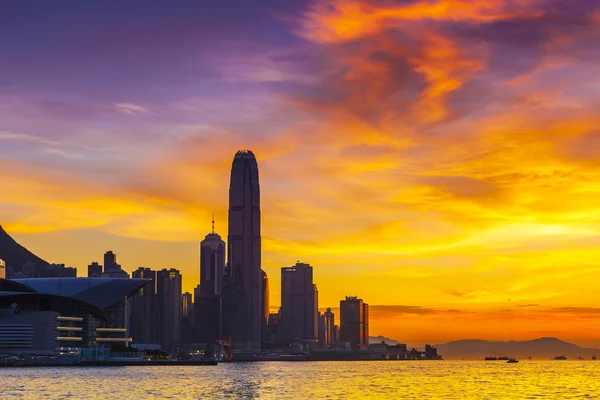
(16, 255)
(543, 348)
(379, 339)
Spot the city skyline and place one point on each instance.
(438, 162)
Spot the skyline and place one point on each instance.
(435, 161)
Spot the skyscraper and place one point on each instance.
(212, 263)
(266, 336)
(168, 296)
(243, 305)
(354, 322)
(330, 338)
(208, 303)
(144, 322)
(299, 312)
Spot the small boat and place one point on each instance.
(504, 358)
(512, 361)
(560, 358)
(491, 359)
(593, 357)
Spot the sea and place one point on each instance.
(311, 380)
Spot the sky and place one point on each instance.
(438, 158)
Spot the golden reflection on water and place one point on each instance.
(308, 380)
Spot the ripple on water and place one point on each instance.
(321, 380)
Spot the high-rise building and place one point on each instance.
(2, 269)
(354, 322)
(208, 304)
(299, 311)
(212, 263)
(144, 321)
(111, 268)
(168, 296)
(330, 338)
(187, 318)
(186, 304)
(243, 305)
(266, 336)
(322, 331)
(94, 270)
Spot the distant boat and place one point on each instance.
(529, 358)
(503, 358)
(580, 358)
(512, 361)
(560, 358)
(491, 359)
(593, 357)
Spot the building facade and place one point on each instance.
(354, 322)
(299, 304)
(169, 309)
(243, 303)
(144, 320)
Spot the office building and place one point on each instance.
(94, 270)
(242, 295)
(265, 307)
(354, 322)
(111, 268)
(144, 320)
(208, 303)
(2, 269)
(330, 338)
(212, 263)
(169, 309)
(299, 311)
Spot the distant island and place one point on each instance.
(546, 348)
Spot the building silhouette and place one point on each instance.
(144, 320)
(111, 268)
(266, 337)
(354, 322)
(330, 337)
(94, 270)
(299, 301)
(208, 302)
(168, 295)
(242, 295)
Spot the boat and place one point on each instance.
(491, 359)
(560, 358)
(512, 361)
(504, 358)
(593, 357)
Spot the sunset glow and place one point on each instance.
(439, 158)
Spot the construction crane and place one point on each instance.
(226, 348)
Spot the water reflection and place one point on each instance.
(322, 380)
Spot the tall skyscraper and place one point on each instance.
(168, 295)
(354, 322)
(330, 338)
(144, 322)
(208, 302)
(299, 311)
(243, 304)
(266, 336)
(212, 263)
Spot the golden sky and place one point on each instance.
(438, 158)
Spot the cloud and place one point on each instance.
(132, 109)
(24, 137)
